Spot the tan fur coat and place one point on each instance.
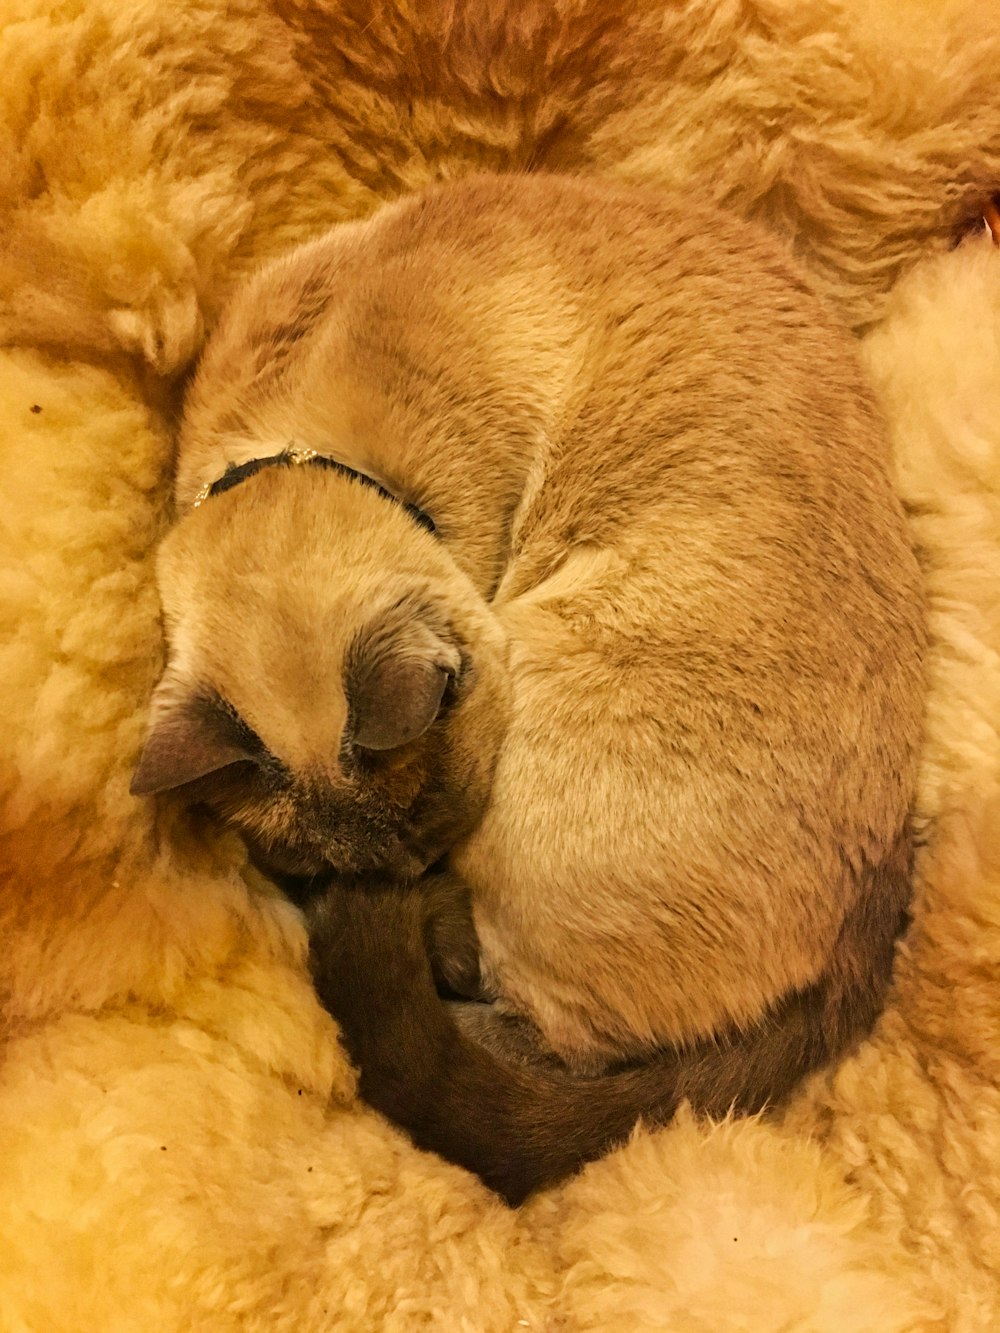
(179, 1145)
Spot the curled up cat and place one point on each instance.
(540, 611)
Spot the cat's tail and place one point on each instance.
(520, 1126)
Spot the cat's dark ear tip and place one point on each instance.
(142, 782)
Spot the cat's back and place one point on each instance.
(688, 382)
(633, 323)
(503, 309)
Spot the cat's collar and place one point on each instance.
(296, 457)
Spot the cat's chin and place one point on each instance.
(299, 889)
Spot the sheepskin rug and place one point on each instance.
(180, 1144)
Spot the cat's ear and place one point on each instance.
(396, 679)
(189, 739)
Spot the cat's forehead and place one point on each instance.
(264, 602)
(277, 659)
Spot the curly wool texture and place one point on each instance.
(181, 1147)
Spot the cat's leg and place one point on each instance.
(452, 942)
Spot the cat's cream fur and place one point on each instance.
(669, 558)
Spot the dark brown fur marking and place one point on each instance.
(520, 1126)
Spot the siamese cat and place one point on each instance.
(540, 605)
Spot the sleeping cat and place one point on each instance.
(536, 537)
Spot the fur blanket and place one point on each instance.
(180, 1147)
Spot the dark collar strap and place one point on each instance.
(293, 457)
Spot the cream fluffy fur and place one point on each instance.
(180, 1147)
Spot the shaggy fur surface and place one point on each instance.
(179, 1143)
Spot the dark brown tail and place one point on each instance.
(519, 1127)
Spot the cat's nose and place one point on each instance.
(411, 866)
(395, 859)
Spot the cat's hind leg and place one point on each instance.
(510, 1037)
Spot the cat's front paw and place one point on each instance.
(452, 942)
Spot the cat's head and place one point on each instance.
(335, 688)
